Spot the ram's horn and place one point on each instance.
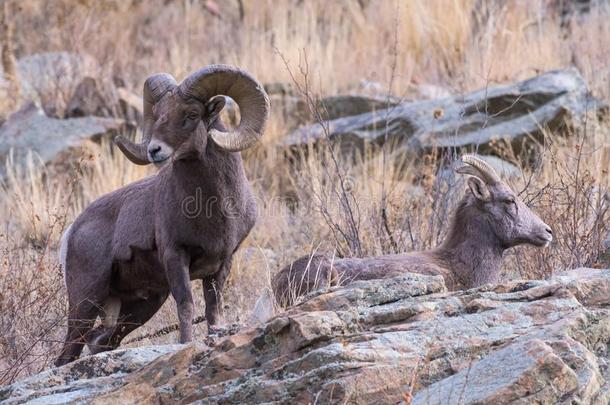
(155, 88)
(247, 92)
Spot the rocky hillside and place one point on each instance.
(385, 341)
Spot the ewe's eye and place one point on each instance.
(511, 204)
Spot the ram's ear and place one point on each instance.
(479, 189)
(213, 107)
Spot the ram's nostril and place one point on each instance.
(154, 150)
(549, 230)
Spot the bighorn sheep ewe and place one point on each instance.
(129, 249)
(489, 220)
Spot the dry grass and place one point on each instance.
(395, 44)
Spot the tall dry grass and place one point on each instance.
(396, 204)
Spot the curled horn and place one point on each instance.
(154, 88)
(247, 92)
(479, 168)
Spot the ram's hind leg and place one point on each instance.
(133, 315)
(81, 318)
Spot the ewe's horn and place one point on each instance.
(247, 92)
(154, 88)
(479, 168)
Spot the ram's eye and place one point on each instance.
(192, 116)
(510, 201)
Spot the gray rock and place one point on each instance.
(83, 378)
(29, 130)
(377, 341)
(69, 85)
(475, 120)
(354, 104)
(91, 98)
(286, 99)
(48, 79)
(88, 99)
(130, 105)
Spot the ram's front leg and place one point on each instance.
(177, 270)
(212, 292)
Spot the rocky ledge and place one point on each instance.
(397, 340)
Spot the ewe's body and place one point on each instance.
(489, 219)
(131, 248)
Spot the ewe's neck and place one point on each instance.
(471, 250)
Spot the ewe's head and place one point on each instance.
(179, 118)
(510, 220)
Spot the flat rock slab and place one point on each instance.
(378, 341)
(29, 130)
(475, 120)
(84, 378)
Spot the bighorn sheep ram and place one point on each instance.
(488, 220)
(129, 249)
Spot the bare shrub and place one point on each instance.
(32, 299)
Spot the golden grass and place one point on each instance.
(397, 44)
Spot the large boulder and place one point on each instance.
(68, 85)
(285, 100)
(30, 130)
(379, 341)
(514, 113)
(353, 104)
(91, 98)
(48, 79)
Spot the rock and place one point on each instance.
(475, 120)
(279, 88)
(378, 341)
(286, 99)
(529, 369)
(48, 79)
(83, 379)
(30, 130)
(93, 99)
(68, 85)
(347, 105)
(89, 100)
(130, 104)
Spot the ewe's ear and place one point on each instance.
(213, 107)
(479, 189)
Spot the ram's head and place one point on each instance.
(179, 118)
